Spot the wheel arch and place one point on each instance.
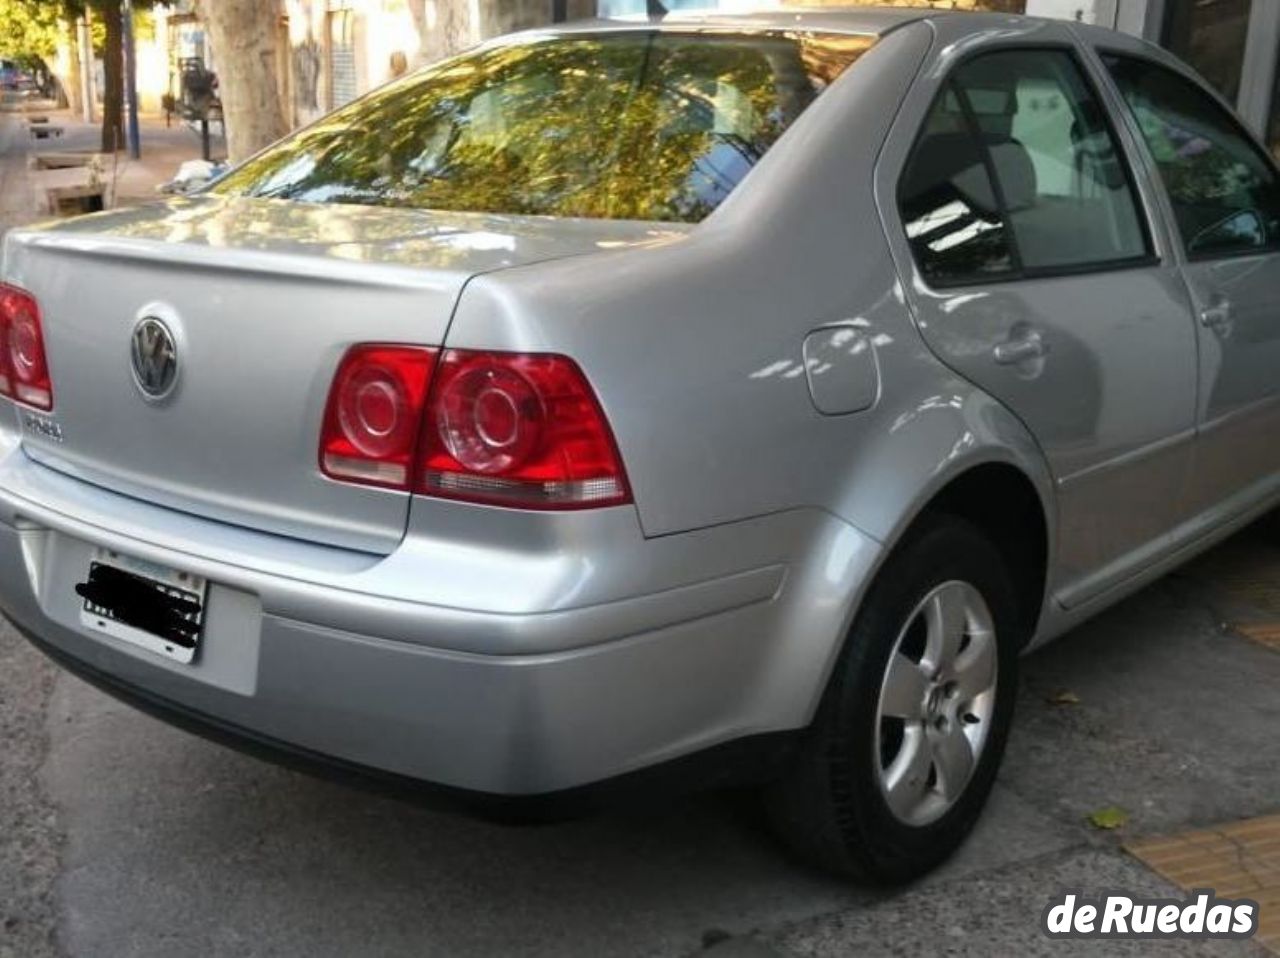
(977, 462)
(1002, 501)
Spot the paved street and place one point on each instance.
(122, 837)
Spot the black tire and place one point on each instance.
(829, 808)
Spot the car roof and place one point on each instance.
(870, 21)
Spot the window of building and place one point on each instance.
(1224, 190)
(342, 57)
(1210, 35)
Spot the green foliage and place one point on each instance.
(29, 28)
(1109, 818)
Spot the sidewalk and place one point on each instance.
(164, 149)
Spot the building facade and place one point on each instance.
(330, 51)
(1232, 43)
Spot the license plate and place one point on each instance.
(148, 605)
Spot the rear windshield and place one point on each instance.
(641, 125)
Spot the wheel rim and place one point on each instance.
(936, 703)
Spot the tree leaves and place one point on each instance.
(29, 28)
(1109, 818)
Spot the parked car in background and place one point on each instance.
(719, 400)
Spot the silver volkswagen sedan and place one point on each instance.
(654, 404)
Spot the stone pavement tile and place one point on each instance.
(1237, 860)
(164, 149)
(1268, 635)
(994, 914)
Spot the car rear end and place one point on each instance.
(249, 479)
(308, 530)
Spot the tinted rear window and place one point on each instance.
(639, 125)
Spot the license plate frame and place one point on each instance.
(146, 604)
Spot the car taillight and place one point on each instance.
(499, 428)
(518, 430)
(24, 369)
(373, 419)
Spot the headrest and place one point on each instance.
(1016, 172)
(950, 158)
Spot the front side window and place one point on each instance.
(643, 125)
(1223, 189)
(1020, 143)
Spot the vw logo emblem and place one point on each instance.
(155, 358)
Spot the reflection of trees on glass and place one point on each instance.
(1224, 193)
(634, 125)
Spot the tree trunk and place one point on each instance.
(243, 35)
(418, 9)
(113, 77)
(507, 16)
(71, 80)
(444, 28)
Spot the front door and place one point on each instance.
(1225, 197)
(1035, 272)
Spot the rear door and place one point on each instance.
(1035, 271)
(1224, 194)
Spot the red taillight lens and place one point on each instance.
(498, 428)
(518, 430)
(371, 426)
(24, 369)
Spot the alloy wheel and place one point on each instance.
(936, 704)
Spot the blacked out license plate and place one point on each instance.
(148, 605)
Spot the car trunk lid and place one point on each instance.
(262, 298)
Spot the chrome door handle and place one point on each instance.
(1217, 315)
(1029, 345)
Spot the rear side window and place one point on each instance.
(1017, 172)
(957, 229)
(1223, 188)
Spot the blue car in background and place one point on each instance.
(12, 77)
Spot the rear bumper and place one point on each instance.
(326, 656)
(744, 761)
